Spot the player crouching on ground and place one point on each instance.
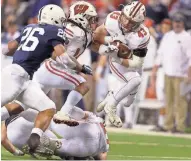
(87, 139)
(128, 39)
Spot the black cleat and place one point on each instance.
(33, 142)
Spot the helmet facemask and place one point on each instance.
(92, 21)
(127, 24)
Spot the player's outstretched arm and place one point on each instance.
(98, 38)
(10, 48)
(5, 142)
(100, 34)
(62, 57)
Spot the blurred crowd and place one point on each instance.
(18, 13)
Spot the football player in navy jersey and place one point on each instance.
(36, 43)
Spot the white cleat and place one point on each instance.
(102, 104)
(110, 110)
(63, 118)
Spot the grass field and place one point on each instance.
(124, 146)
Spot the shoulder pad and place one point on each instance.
(111, 23)
(73, 31)
(54, 33)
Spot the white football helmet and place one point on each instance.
(51, 14)
(132, 16)
(83, 13)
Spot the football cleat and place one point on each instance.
(63, 118)
(111, 110)
(47, 146)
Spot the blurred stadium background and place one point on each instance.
(147, 114)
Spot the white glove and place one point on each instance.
(119, 37)
(112, 49)
(108, 49)
(18, 153)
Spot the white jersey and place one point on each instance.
(134, 40)
(89, 138)
(61, 76)
(78, 40)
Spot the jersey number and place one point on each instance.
(115, 15)
(29, 37)
(142, 33)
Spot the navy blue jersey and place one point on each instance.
(36, 43)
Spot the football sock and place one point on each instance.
(4, 113)
(73, 98)
(37, 131)
(128, 114)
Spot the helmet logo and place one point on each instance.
(78, 9)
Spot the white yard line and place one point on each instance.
(152, 157)
(144, 132)
(150, 144)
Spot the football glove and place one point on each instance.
(119, 37)
(87, 70)
(18, 153)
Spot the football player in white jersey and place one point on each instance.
(87, 139)
(127, 27)
(79, 28)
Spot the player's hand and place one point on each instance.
(87, 70)
(112, 49)
(119, 37)
(18, 153)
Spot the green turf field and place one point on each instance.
(125, 146)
